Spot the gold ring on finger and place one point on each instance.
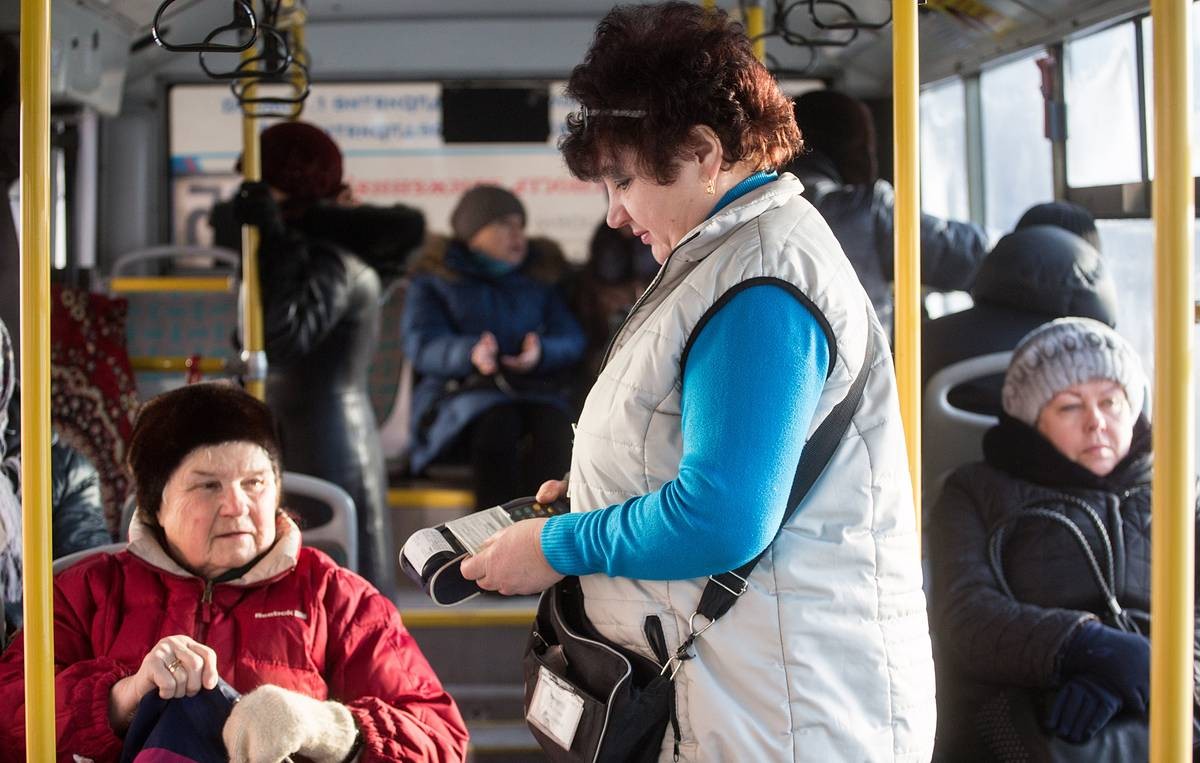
(173, 665)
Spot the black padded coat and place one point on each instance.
(322, 280)
(1033, 276)
(985, 640)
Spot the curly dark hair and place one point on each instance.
(682, 66)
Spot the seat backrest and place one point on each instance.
(63, 562)
(331, 527)
(952, 436)
(181, 323)
(338, 535)
(177, 253)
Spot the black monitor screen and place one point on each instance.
(495, 114)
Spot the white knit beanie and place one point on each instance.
(1065, 352)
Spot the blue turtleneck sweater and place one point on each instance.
(750, 388)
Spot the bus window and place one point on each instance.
(944, 151)
(1103, 138)
(1016, 155)
(1148, 68)
(1128, 248)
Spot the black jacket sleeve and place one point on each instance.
(986, 634)
(383, 237)
(306, 289)
(78, 518)
(950, 251)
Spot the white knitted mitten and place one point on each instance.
(270, 723)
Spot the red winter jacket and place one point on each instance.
(296, 620)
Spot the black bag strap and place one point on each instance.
(723, 590)
(1040, 509)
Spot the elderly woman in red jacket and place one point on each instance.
(215, 583)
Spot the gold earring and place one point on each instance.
(711, 188)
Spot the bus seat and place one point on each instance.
(63, 562)
(952, 436)
(395, 431)
(179, 323)
(127, 516)
(337, 531)
(391, 381)
(190, 258)
(338, 534)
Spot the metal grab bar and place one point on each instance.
(172, 284)
(242, 70)
(208, 46)
(168, 363)
(172, 251)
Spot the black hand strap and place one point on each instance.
(723, 590)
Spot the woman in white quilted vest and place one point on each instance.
(684, 455)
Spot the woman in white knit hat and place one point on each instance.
(1041, 561)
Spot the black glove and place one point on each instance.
(1081, 708)
(255, 206)
(1113, 659)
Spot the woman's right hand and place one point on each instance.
(551, 491)
(177, 666)
(483, 354)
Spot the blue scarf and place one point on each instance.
(490, 267)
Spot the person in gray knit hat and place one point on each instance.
(481, 206)
(1040, 561)
(1064, 352)
(1083, 362)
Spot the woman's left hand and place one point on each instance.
(530, 356)
(511, 561)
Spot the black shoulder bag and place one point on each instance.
(589, 699)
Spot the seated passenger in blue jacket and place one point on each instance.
(491, 341)
(1041, 562)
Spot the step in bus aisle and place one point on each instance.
(476, 649)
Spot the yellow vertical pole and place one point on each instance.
(1172, 533)
(35, 379)
(906, 133)
(755, 27)
(252, 323)
(298, 18)
(710, 5)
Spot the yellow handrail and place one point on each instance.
(35, 379)
(430, 498)
(905, 46)
(296, 17)
(171, 284)
(252, 324)
(1172, 530)
(178, 363)
(467, 618)
(755, 27)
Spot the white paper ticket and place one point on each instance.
(473, 529)
(555, 708)
(422, 545)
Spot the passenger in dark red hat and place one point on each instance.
(301, 160)
(325, 264)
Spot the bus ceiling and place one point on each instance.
(103, 44)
